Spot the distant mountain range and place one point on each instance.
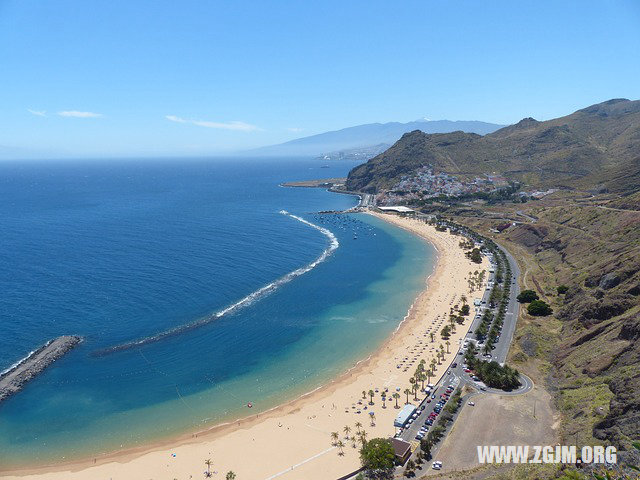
(336, 144)
(597, 147)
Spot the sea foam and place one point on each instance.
(242, 303)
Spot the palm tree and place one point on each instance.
(231, 475)
(373, 419)
(384, 399)
(448, 343)
(364, 394)
(415, 391)
(358, 427)
(371, 394)
(340, 445)
(346, 430)
(363, 437)
(429, 374)
(208, 463)
(396, 395)
(407, 392)
(422, 377)
(432, 337)
(334, 437)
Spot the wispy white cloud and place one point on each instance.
(173, 118)
(294, 129)
(77, 114)
(242, 126)
(235, 125)
(39, 113)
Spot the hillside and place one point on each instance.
(587, 353)
(369, 135)
(597, 148)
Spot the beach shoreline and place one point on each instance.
(222, 437)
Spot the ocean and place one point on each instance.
(199, 286)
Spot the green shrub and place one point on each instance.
(538, 308)
(527, 296)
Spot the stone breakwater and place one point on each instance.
(13, 379)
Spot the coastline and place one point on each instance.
(269, 426)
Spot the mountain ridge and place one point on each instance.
(592, 147)
(368, 135)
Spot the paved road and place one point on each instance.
(511, 315)
(528, 217)
(456, 376)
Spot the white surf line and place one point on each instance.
(293, 467)
(23, 360)
(244, 302)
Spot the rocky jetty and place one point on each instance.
(14, 379)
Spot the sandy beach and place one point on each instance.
(293, 441)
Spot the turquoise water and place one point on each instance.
(123, 252)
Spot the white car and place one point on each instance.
(436, 465)
(471, 404)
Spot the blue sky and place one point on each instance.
(120, 78)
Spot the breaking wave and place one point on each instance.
(244, 302)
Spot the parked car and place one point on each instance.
(436, 465)
(471, 404)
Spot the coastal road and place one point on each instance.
(456, 376)
(511, 315)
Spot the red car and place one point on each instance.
(466, 370)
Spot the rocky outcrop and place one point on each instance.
(14, 379)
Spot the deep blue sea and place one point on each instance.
(123, 252)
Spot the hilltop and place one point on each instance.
(597, 147)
